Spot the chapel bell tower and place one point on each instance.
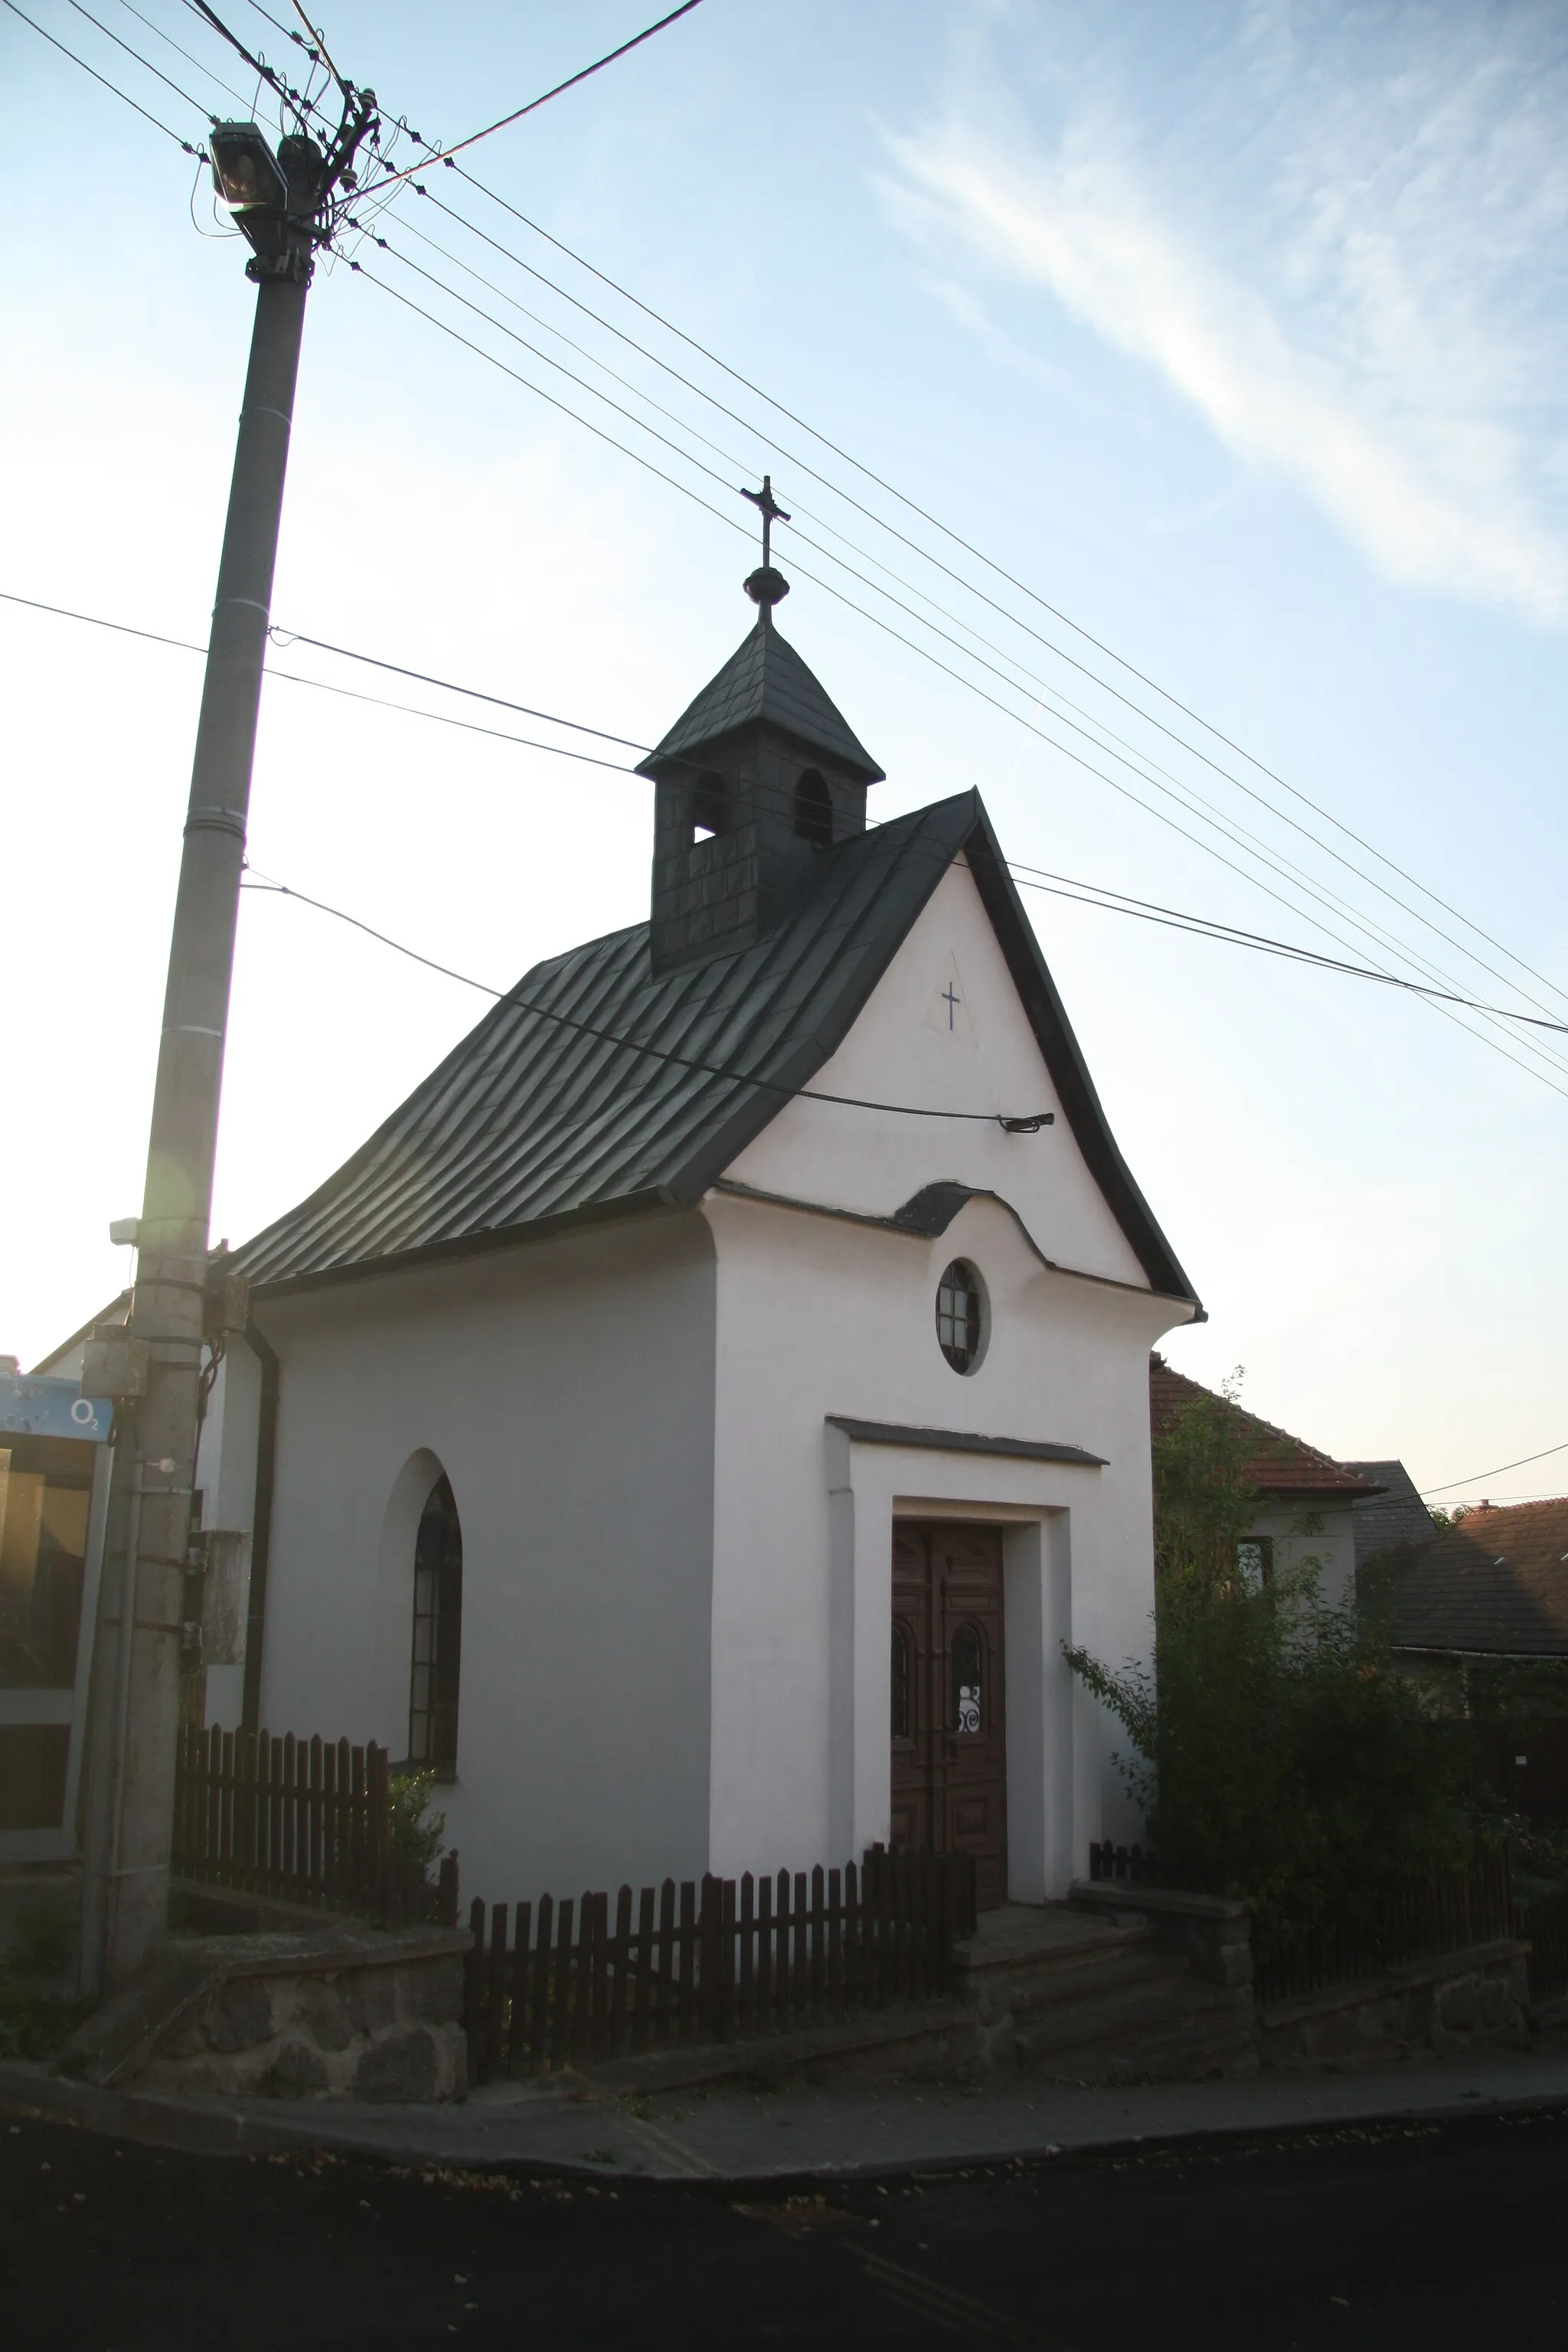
(751, 784)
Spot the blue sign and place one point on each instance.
(33, 1407)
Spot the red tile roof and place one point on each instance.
(1280, 1466)
(1494, 1584)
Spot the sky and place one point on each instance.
(1232, 335)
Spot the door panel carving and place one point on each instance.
(949, 1746)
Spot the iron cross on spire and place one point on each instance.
(766, 586)
(770, 510)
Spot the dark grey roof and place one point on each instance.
(765, 678)
(1493, 1584)
(963, 1441)
(1397, 1516)
(531, 1121)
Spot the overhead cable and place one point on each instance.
(447, 153)
(1434, 997)
(957, 540)
(1077, 892)
(1022, 1123)
(1497, 1472)
(114, 88)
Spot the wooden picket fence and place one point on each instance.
(1543, 1920)
(305, 1821)
(1413, 1919)
(718, 1960)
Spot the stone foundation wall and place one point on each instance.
(1460, 2001)
(339, 2012)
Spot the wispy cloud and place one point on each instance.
(1350, 262)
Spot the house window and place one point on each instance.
(1255, 1561)
(814, 810)
(900, 1694)
(46, 1490)
(960, 1316)
(438, 1631)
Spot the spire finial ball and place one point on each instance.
(765, 587)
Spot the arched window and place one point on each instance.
(901, 1691)
(437, 1631)
(961, 1316)
(966, 1656)
(813, 811)
(710, 804)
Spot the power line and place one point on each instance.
(957, 540)
(445, 155)
(1438, 997)
(1434, 997)
(1100, 896)
(1185, 797)
(1096, 732)
(145, 63)
(114, 88)
(1026, 1123)
(227, 87)
(1497, 1472)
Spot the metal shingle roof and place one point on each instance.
(765, 679)
(529, 1122)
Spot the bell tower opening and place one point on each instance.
(814, 810)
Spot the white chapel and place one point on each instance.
(696, 1420)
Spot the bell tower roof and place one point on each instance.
(765, 680)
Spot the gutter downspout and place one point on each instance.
(261, 1523)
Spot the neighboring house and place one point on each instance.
(1308, 1503)
(54, 1464)
(695, 1420)
(1394, 1516)
(1488, 1591)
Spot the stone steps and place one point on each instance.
(1089, 1995)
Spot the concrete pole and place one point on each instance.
(130, 1824)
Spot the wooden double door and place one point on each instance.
(949, 1698)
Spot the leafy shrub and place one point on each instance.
(1276, 1752)
(417, 1831)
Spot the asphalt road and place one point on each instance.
(1438, 2236)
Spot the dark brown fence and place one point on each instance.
(722, 1960)
(304, 1822)
(1415, 1920)
(1545, 1922)
(1125, 1862)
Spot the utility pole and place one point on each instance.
(153, 1369)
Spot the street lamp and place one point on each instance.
(245, 172)
(272, 197)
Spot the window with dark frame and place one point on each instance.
(1255, 1561)
(967, 1655)
(959, 1311)
(438, 1631)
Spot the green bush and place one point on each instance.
(1276, 1753)
(417, 1829)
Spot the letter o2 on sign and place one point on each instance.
(83, 1413)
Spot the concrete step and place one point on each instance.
(1119, 2011)
(1220, 2046)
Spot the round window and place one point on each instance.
(961, 1317)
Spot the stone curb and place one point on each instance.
(199, 2126)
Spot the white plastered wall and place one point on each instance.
(1302, 1533)
(566, 1389)
(822, 1315)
